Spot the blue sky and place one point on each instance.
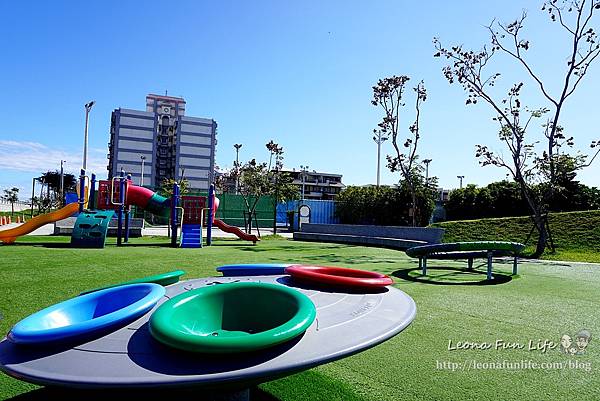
(299, 73)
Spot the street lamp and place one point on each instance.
(88, 108)
(460, 177)
(304, 169)
(142, 179)
(237, 147)
(62, 183)
(427, 161)
(379, 138)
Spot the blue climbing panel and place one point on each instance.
(91, 228)
(191, 236)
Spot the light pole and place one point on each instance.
(460, 177)
(379, 138)
(427, 161)
(304, 169)
(62, 183)
(32, 194)
(142, 179)
(237, 147)
(88, 108)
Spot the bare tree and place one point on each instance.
(388, 93)
(527, 164)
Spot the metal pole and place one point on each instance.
(303, 169)
(92, 199)
(276, 203)
(62, 184)
(174, 204)
(209, 223)
(32, 194)
(127, 215)
(237, 147)
(379, 139)
(121, 207)
(427, 161)
(88, 108)
(142, 179)
(81, 190)
(378, 161)
(460, 177)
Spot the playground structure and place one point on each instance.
(116, 196)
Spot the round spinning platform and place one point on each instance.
(345, 323)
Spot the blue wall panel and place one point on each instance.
(321, 211)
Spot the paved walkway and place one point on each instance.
(47, 229)
(158, 231)
(161, 231)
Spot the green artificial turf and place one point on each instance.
(545, 301)
(576, 235)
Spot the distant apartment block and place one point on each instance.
(165, 141)
(317, 185)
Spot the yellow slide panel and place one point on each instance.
(9, 236)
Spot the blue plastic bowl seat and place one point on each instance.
(87, 314)
(253, 269)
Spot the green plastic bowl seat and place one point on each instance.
(162, 279)
(430, 251)
(86, 315)
(232, 318)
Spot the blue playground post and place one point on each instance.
(127, 209)
(209, 224)
(121, 207)
(174, 204)
(81, 190)
(92, 198)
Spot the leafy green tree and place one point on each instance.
(282, 188)
(257, 180)
(383, 205)
(11, 196)
(52, 179)
(166, 187)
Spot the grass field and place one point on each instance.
(576, 235)
(544, 302)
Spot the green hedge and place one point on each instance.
(387, 206)
(580, 230)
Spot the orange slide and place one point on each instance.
(234, 230)
(9, 236)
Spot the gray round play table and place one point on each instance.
(346, 323)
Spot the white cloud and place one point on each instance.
(35, 157)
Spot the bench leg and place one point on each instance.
(424, 266)
(420, 263)
(470, 261)
(489, 264)
(515, 266)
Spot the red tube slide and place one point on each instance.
(235, 230)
